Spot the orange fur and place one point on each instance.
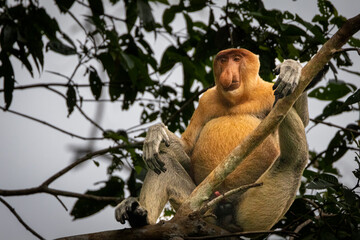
(225, 117)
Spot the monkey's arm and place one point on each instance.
(159, 140)
(154, 137)
(159, 133)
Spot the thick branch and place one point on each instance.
(218, 175)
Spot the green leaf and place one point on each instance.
(8, 37)
(127, 59)
(114, 187)
(169, 212)
(134, 187)
(70, 99)
(167, 18)
(64, 5)
(354, 42)
(145, 14)
(323, 181)
(333, 108)
(95, 83)
(355, 98)
(131, 14)
(7, 72)
(59, 47)
(333, 91)
(169, 59)
(96, 7)
(350, 197)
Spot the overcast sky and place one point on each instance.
(31, 152)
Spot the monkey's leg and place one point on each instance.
(262, 207)
(173, 185)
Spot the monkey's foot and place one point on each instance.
(130, 210)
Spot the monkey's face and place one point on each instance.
(235, 70)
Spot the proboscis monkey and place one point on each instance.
(226, 114)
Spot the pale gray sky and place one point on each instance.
(31, 152)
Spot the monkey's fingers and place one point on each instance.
(150, 165)
(276, 99)
(277, 69)
(124, 217)
(289, 88)
(165, 137)
(158, 163)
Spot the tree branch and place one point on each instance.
(44, 85)
(334, 125)
(78, 108)
(218, 175)
(12, 210)
(216, 200)
(50, 125)
(43, 188)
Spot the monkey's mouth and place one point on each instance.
(234, 85)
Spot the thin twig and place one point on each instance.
(44, 85)
(216, 200)
(347, 50)
(334, 125)
(314, 159)
(61, 202)
(12, 210)
(87, 157)
(78, 108)
(51, 126)
(301, 226)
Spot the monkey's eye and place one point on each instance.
(223, 60)
(237, 59)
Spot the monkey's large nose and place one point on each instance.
(226, 78)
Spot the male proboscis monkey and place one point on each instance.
(226, 114)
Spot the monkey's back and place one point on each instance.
(219, 137)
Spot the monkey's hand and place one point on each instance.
(289, 74)
(155, 135)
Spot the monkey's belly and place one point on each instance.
(219, 137)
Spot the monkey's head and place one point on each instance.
(236, 73)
